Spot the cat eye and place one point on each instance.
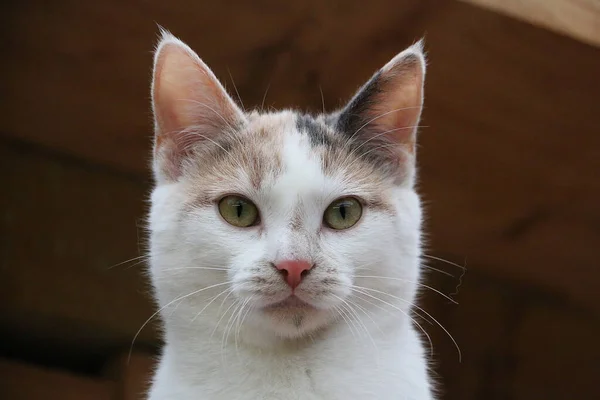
(343, 213)
(238, 211)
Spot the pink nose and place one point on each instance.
(293, 271)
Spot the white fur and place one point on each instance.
(214, 282)
(265, 358)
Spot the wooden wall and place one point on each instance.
(509, 163)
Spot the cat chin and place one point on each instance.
(293, 321)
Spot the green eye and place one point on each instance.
(238, 211)
(343, 213)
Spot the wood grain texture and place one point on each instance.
(551, 345)
(508, 162)
(62, 229)
(579, 19)
(25, 382)
(481, 325)
(133, 374)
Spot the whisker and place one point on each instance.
(367, 267)
(403, 312)
(376, 118)
(223, 302)
(383, 146)
(343, 315)
(194, 131)
(262, 104)
(369, 151)
(347, 303)
(236, 331)
(211, 109)
(250, 308)
(322, 98)
(135, 264)
(236, 90)
(227, 330)
(377, 136)
(365, 311)
(423, 311)
(460, 280)
(165, 306)
(445, 261)
(437, 270)
(409, 281)
(224, 313)
(350, 316)
(143, 258)
(211, 301)
(203, 268)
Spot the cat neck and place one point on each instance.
(323, 368)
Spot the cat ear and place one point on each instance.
(386, 111)
(189, 103)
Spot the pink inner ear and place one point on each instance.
(401, 98)
(190, 104)
(186, 93)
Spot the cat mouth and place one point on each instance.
(290, 303)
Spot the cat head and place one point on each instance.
(280, 221)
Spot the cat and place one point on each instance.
(285, 247)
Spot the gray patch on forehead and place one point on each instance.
(341, 143)
(317, 132)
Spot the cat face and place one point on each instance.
(280, 221)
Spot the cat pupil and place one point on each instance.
(239, 209)
(343, 211)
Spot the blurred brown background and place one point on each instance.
(509, 164)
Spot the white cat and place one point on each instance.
(285, 247)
